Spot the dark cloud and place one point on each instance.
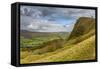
(49, 11)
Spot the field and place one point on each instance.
(39, 44)
(58, 47)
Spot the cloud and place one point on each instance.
(30, 11)
(50, 19)
(82, 13)
(47, 26)
(52, 11)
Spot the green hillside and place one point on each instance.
(83, 29)
(82, 51)
(83, 26)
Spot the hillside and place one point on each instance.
(83, 29)
(82, 51)
(83, 26)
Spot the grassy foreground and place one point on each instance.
(84, 50)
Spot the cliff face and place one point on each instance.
(83, 26)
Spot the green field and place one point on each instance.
(40, 41)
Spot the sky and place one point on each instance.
(51, 19)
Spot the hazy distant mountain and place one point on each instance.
(29, 34)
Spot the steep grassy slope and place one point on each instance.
(84, 50)
(83, 26)
(83, 29)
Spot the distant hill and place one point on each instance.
(84, 26)
(29, 34)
